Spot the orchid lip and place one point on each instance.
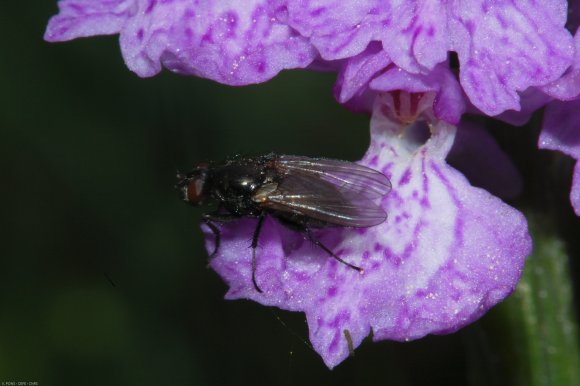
(437, 263)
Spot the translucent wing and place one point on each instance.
(347, 176)
(310, 196)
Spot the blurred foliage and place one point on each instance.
(534, 333)
(103, 271)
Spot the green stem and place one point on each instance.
(539, 337)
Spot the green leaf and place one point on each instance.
(536, 327)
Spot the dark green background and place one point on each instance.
(89, 153)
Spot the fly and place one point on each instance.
(302, 193)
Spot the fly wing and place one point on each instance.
(347, 176)
(315, 198)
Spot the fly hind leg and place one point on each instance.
(318, 243)
(301, 224)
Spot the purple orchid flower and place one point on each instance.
(231, 42)
(449, 251)
(503, 48)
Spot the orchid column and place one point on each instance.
(449, 251)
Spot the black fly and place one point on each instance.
(300, 192)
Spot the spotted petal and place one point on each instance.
(82, 18)
(413, 33)
(228, 41)
(568, 86)
(503, 47)
(446, 254)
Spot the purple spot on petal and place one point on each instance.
(301, 276)
(387, 169)
(331, 271)
(334, 344)
(502, 21)
(232, 19)
(424, 201)
(470, 26)
(406, 177)
(77, 8)
(140, 34)
(331, 292)
(317, 12)
(340, 318)
(416, 33)
(261, 67)
(445, 182)
(206, 38)
(458, 231)
(361, 231)
(150, 7)
(420, 293)
(378, 247)
(366, 255)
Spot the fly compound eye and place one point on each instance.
(193, 191)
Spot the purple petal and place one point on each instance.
(530, 100)
(447, 253)
(568, 86)
(82, 18)
(413, 34)
(477, 155)
(504, 49)
(561, 131)
(357, 72)
(232, 42)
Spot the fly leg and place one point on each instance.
(317, 242)
(210, 219)
(255, 239)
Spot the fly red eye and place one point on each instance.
(195, 190)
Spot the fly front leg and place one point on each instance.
(211, 219)
(254, 245)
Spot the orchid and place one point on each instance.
(449, 251)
